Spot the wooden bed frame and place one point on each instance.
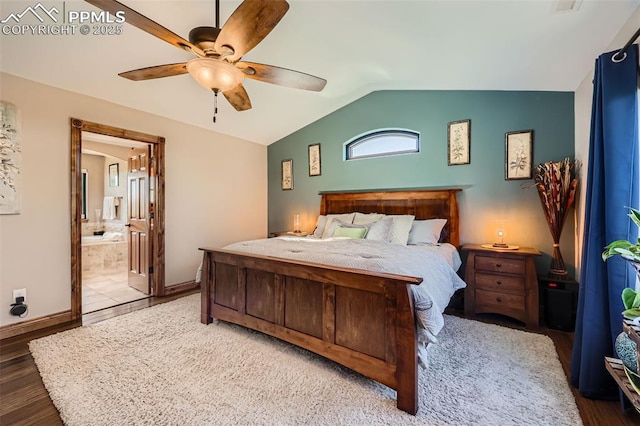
(362, 320)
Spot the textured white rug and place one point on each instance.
(220, 374)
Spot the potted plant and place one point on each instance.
(624, 346)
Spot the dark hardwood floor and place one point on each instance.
(25, 401)
(23, 398)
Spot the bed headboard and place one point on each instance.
(422, 203)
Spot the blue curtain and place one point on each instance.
(612, 186)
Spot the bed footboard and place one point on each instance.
(362, 320)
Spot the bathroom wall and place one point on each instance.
(119, 191)
(95, 188)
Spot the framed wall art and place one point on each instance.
(287, 174)
(518, 155)
(10, 159)
(314, 160)
(459, 142)
(114, 178)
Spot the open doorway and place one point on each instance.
(115, 172)
(125, 216)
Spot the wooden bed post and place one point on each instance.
(407, 352)
(205, 288)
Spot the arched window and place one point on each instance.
(381, 143)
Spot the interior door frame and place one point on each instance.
(156, 234)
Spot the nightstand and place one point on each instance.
(288, 233)
(502, 282)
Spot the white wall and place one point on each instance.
(216, 193)
(583, 100)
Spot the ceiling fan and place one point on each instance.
(218, 51)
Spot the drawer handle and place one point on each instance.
(498, 282)
(499, 299)
(498, 265)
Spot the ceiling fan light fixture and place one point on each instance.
(214, 74)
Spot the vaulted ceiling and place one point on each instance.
(358, 46)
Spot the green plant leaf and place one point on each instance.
(623, 251)
(632, 313)
(630, 298)
(635, 216)
(618, 244)
(622, 247)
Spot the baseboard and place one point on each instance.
(178, 288)
(11, 330)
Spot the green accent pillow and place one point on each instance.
(355, 233)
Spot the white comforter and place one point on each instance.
(435, 264)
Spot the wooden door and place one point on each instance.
(139, 219)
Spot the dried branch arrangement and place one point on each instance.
(557, 182)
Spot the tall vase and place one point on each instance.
(558, 268)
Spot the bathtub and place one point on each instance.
(107, 238)
(104, 254)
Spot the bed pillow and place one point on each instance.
(400, 228)
(426, 231)
(320, 224)
(361, 218)
(353, 232)
(328, 229)
(380, 230)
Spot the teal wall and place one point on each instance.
(486, 196)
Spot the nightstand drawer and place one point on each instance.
(497, 264)
(500, 283)
(498, 301)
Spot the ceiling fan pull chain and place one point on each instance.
(217, 13)
(215, 105)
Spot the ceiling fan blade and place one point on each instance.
(248, 25)
(158, 71)
(281, 76)
(145, 24)
(238, 98)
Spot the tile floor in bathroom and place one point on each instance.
(104, 290)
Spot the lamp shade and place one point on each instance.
(214, 74)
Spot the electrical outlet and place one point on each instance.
(21, 292)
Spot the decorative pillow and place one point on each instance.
(350, 232)
(426, 231)
(444, 234)
(400, 228)
(361, 218)
(331, 229)
(380, 230)
(320, 224)
(346, 218)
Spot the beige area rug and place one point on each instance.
(161, 366)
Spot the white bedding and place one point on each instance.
(436, 264)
